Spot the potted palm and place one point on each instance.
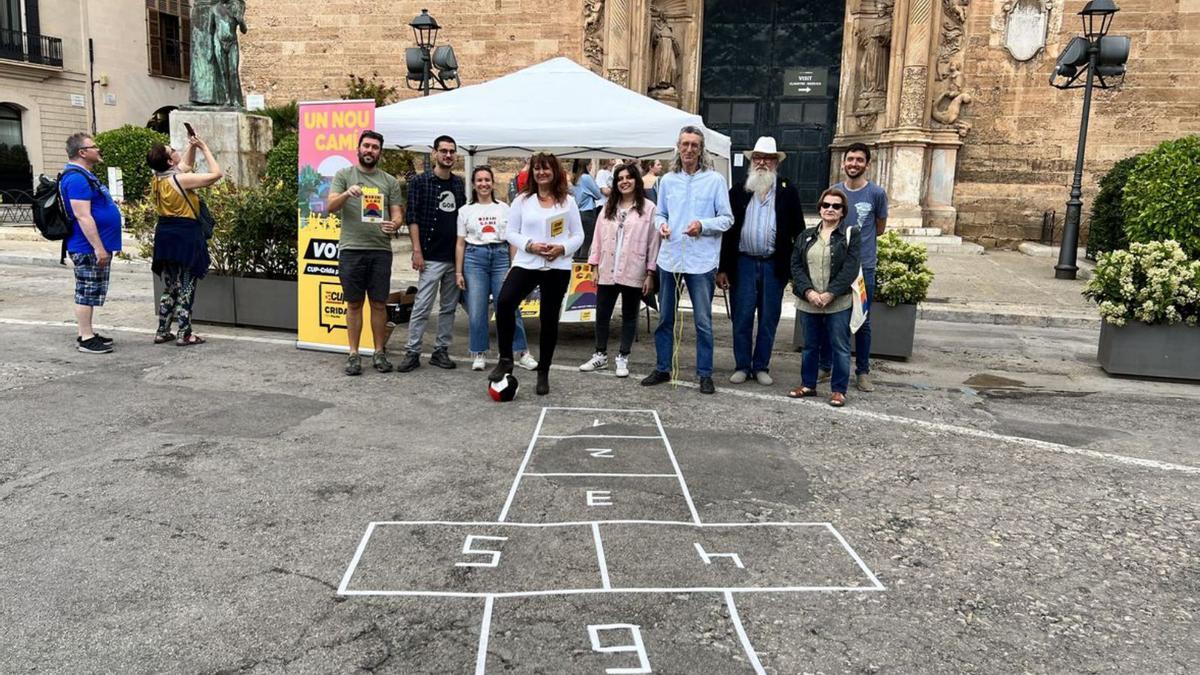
(1149, 303)
(902, 279)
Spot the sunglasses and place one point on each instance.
(90, 147)
(830, 205)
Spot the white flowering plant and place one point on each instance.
(1155, 283)
(902, 274)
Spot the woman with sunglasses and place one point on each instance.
(623, 258)
(481, 261)
(824, 265)
(544, 227)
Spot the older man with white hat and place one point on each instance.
(756, 257)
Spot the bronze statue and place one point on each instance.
(215, 56)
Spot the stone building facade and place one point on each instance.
(46, 64)
(969, 137)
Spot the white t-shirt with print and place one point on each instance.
(483, 223)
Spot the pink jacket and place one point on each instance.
(639, 248)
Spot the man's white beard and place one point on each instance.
(760, 182)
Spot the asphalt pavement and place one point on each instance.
(998, 505)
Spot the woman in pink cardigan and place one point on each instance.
(623, 256)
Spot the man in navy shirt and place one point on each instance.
(96, 238)
(867, 209)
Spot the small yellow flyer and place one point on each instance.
(372, 205)
(558, 225)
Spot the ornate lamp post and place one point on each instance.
(1098, 56)
(425, 30)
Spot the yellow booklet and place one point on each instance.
(372, 205)
(558, 225)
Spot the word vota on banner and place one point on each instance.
(329, 134)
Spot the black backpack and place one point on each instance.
(50, 213)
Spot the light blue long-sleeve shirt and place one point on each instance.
(683, 198)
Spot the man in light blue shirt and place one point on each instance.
(693, 212)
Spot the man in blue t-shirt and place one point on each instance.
(866, 208)
(96, 238)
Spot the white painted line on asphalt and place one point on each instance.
(524, 462)
(612, 591)
(853, 554)
(741, 631)
(619, 410)
(148, 331)
(362, 546)
(687, 495)
(953, 429)
(651, 438)
(484, 629)
(574, 523)
(600, 556)
(602, 475)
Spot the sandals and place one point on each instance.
(801, 392)
(837, 400)
(189, 340)
(161, 338)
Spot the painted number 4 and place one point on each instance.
(637, 647)
(469, 550)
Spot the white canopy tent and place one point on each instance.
(557, 106)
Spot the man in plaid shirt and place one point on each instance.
(434, 198)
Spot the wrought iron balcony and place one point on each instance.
(39, 49)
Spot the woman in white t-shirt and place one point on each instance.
(481, 262)
(545, 229)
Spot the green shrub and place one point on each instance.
(1106, 229)
(255, 233)
(902, 275)
(126, 147)
(1162, 195)
(1152, 283)
(360, 88)
(285, 118)
(283, 159)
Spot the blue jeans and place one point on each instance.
(862, 339)
(755, 289)
(832, 330)
(484, 268)
(700, 290)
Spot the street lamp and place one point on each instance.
(421, 59)
(1099, 57)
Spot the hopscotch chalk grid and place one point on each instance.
(595, 455)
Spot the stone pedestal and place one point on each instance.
(239, 141)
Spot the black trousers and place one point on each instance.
(519, 283)
(606, 300)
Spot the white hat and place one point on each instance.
(765, 146)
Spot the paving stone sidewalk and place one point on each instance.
(998, 287)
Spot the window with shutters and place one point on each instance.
(168, 38)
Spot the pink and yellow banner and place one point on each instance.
(329, 134)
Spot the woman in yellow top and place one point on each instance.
(180, 249)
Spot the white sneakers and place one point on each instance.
(479, 362)
(738, 377)
(527, 361)
(597, 362)
(764, 378)
(622, 366)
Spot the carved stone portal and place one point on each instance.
(1026, 22)
(947, 106)
(664, 57)
(593, 45)
(873, 41)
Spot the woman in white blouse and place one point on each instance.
(481, 263)
(545, 229)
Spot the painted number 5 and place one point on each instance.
(468, 550)
(636, 647)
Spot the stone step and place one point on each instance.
(946, 243)
(919, 231)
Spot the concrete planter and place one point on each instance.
(892, 331)
(1142, 350)
(242, 301)
(214, 301)
(265, 303)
